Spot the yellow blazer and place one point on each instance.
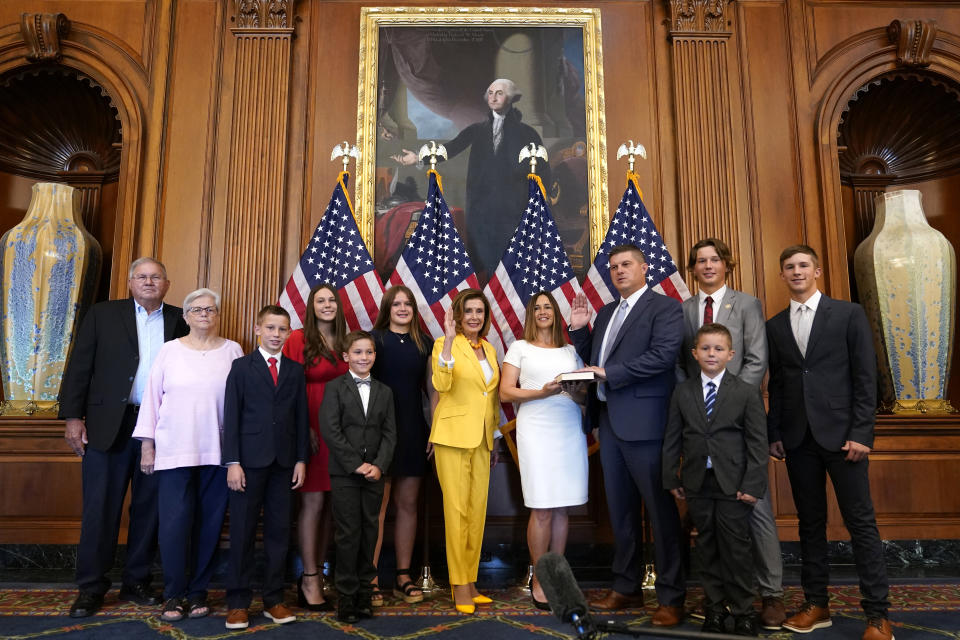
(469, 407)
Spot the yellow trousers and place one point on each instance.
(464, 479)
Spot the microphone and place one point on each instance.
(564, 596)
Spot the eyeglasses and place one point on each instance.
(142, 277)
(210, 311)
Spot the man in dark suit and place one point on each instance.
(717, 427)
(633, 349)
(358, 424)
(265, 447)
(710, 261)
(823, 395)
(100, 398)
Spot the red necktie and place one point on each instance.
(708, 310)
(273, 369)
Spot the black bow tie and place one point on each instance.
(362, 381)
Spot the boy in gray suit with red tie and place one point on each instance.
(715, 458)
(358, 424)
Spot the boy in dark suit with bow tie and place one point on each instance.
(717, 428)
(358, 424)
(265, 448)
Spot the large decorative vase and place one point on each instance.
(51, 266)
(906, 275)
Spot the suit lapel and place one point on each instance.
(691, 309)
(169, 323)
(466, 350)
(820, 321)
(632, 317)
(353, 390)
(726, 387)
(725, 306)
(782, 324)
(695, 391)
(130, 323)
(262, 369)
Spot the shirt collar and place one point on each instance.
(138, 308)
(497, 116)
(704, 379)
(267, 355)
(632, 299)
(812, 302)
(717, 295)
(356, 377)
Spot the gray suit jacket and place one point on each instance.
(734, 437)
(742, 314)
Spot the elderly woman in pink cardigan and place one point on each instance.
(179, 426)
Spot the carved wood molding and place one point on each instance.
(256, 202)
(42, 32)
(698, 16)
(914, 40)
(263, 14)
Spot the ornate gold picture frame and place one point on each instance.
(423, 76)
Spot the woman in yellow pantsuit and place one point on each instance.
(466, 375)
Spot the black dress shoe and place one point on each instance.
(364, 606)
(86, 605)
(713, 620)
(745, 625)
(346, 611)
(140, 594)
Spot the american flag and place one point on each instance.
(435, 264)
(534, 261)
(632, 224)
(336, 254)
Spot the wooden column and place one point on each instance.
(254, 219)
(702, 107)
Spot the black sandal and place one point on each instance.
(197, 608)
(172, 610)
(405, 591)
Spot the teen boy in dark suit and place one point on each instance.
(359, 426)
(823, 396)
(717, 427)
(265, 448)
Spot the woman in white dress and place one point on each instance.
(550, 442)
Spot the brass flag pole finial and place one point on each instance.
(533, 151)
(434, 151)
(631, 150)
(346, 151)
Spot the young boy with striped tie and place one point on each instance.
(715, 458)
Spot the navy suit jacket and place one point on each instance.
(263, 422)
(640, 368)
(833, 388)
(103, 363)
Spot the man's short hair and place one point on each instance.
(623, 248)
(721, 248)
(272, 310)
(713, 328)
(793, 250)
(145, 260)
(354, 336)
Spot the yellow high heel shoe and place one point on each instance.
(466, 609)
(481, 599)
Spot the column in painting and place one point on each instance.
(50, 269)
(907, 279)
(258, 164)
(700, 34)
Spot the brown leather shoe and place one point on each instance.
(237, 619)
(614, 601)
(772, 613)
(809, 617)
(878, 629)
(280, 614)
(667, 616)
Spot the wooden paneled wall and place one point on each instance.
(228, 122)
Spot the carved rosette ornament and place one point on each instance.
(42, 32)
(256, 190)
(914, 40)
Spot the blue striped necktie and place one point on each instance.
(711, 400)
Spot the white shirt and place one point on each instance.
(149, 341)
(801, 326)
(267, 355)
(704, 380)
(497, 129)
(364, 390)
(632, 300)
(716, 296)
